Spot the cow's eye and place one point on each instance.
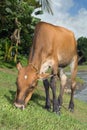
(30, 88)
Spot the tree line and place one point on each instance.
(17, 29)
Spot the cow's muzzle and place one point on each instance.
(21, 106)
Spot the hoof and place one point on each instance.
(71, 107)
(48, 108)
(57, 113)
(71, 110)
(57, 110)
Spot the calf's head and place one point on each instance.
(26, 83)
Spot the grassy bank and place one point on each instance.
(35, 117)
(82, 68)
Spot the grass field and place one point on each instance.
(35, 117)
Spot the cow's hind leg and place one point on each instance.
(63, 81)
(46, 86)
(73, 82)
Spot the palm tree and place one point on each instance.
(46, 5)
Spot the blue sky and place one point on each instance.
(78, 4)
(71, 14)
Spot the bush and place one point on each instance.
(82, 49)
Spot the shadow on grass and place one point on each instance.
(10, 98)
(36, 98)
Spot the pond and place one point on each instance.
(82, 95)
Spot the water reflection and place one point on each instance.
(82, 95)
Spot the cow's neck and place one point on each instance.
(40, 61)
(35, 60)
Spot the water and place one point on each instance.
(82, 95)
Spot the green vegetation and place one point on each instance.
(17, 28)
(35, 117)
(82, 49)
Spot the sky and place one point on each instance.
(71, 14)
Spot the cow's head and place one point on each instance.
(26, 83)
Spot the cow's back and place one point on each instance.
(55, 41)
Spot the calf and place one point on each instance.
(53, 47)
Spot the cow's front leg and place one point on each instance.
(46, 86)
(53, 87)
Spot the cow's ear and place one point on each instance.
(19, 66)
(44, 76)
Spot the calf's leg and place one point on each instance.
(53, 87)
(63, 81)
(46, 86)
(73, 82)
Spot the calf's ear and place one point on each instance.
(44, 76)
(19, 66)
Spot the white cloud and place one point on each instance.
(78, 23)
(63, 5)
(62, 17)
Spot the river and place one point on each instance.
(82, 95)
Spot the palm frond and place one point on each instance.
(46, 5)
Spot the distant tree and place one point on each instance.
(20, 10)
(9, 11)
(82, 49)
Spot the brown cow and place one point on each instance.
(53, 47)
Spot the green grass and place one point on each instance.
(35, 117)
(82, 67)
